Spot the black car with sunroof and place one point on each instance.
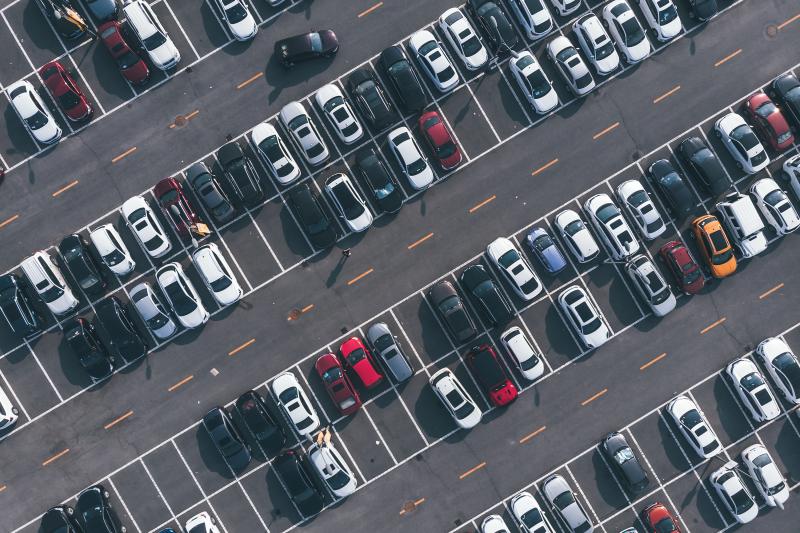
(487, 294)
(227, 439)
(704, 165)
(253, 411)
(81, 263)
(96, 513)
(319, 229)
(495, 24)
(306, 46)
(403, 79)
(381, 182)
(624, 463)
(241, 180)
(124, 339)
(15, 307)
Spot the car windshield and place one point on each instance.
(446, 149)
(127, 60)
(665, 525)
(583, 81)
(607, 212)
(464, 411)
(351, 207)
(633, 32)
(751, 381)
(564, 500)
(338, 480)
(37, 120)
(508, 258)
(539, 84)
(745, 135)
(787, 364)
(604, 51)
(623, 455)
(719, 240)
(531, 518)
(288, 395)
(471, 46)
(721, 259)
(221, 283)
(236, 13)
(52, 294)
(154, 41)
(332, 375)
(766, 109)
(691, 419)
(742, 501)
(691, 277)
(775, 197)
(384, 191)
(667, 15)
(181, 301)
(591, 327)
(776, 489)
(68, 100)
(157, 322)
(543, 242)
(355, 356)
(574, 227)
(488, 369)
(154, 243)
(315, 41)
(417, 166)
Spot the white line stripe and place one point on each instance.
(17, 403)
(124, 505)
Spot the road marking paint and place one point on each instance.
(712, 326)
(118, 420)
(193, 114)
(528, 437)
(65, 188)
(777, 287)
(360, 276)
(727, 58)
(483, 203)
(608, 129)
(653, 361)
(5, 487)
(472, 470)
(667, 94)
(307, 308)
(242, 347)
(370, 10)
(62, 453)
(544, 167)
(420, 241)
(787, 22)
(592, 398)
(249, 80)
(185, 380)
(126, 153)
(8, 221)
(410, 506)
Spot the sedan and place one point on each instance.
(455, 398)
(490, 373)
(217, 274)
(752, 390)
(658, 519)
(33, 112)
(766, 476)
(650, 285)
(112, 250)
(570, 65)
(495, 25)
(65, 91)
(624, 462)
(146, 227)
(529, 362)
(703, 10)
(306, 46)
(304, 134)
(533, 16)
(181, 296)
(769, 121)
(566, 7)
(337, 384)
(389, 350)
(359, 360)
(337, 111)
(673, 188)
(385, 189)
(403, 79)
(96, 511)
(733, 492)
(152, 311)
(596, 44)
(175, 205)
(16, 307)
(312, 218)
(370, 98)
(103, 9)
(227, 439)
(533, 82)
(684, 268)
(662, 16)
(273, 152)
(714, 245)
(262, 426)
(546, 250)
(576, 236)
(297, 480)
(433, 60)
(775, 206)
(332, 469)
(440, 141)
(741, 142)
(60, 519)
(201, 523)
(8, 413)
(410, 158)
(694, 426)
(641, 209)
(210, 192)
(782, 366)
(528, 514)
(348, 203)
(626, 30)
(786, 90)
(565, 505)
(133, 68)
(294, 403)
(124, 338)
(241, 179)
(791, 173)
(614, 231)
(515, 268)
(81, 263)
(487, 295)
(238, 19)
(82, 338)
(584, 317)
(450, 307)
(704, 164)
(459, 32)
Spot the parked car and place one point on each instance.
(294, 473)
(455, 398)
(433, 61)
(103, 9)
(53, 9)
(514, 268)
(612, 227)
(775, 206)
(529, 515)
(337, 111)
(440, 141)
(146, 227)
(403, 79)
(385, 189)
(202, 523)
(714, 246)
(532, 80)
(8, 413)
(208, 189)
(273, 152)
(447, 302)
(253, 411)
(641, 209)
(576, 236)
(96, 511)
(704, 164)
(306, 46)
(546, 250)
(495, 25)
(533, 16)
(487, 295)
(791, 173)
(389, 350)
(241, 179)
(182, 296)
(152, 36)
(596, 44)
(684, 268)
(226, 438)
(60, 518)
(65, 91)
(694, 426)
(627, 31)
(358, 359)
(766, 476)
(82, 338)
(742, 143)
(584, 317)
(348, 203)
(241, 24)
(152, 311)
(566, 7)
(176, 206)
(752, 389)
(571, 66)
(786, 90)
(658, 519)
(112, 249)
(124, 339)
(303, 133)
(332, 469)
(81, 263)
(494, 523)
(33, 112)
(528, 361)
(733, 492)
(769, 121)
(294, 403)
(565, 505)
(459, 32)
(132, 67)
(673, 188)
(16, 308)
(217, 275)
(624, 462)
(782, 366)
(338, 385)
(663, 18)
(368, 95)
(410, 158)
(650, 285)
(311, 217)
(703, 10)
(488, 371)
(48, 283)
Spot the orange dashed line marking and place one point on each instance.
(242, 347)
(777, 287)
(8, 221)
(181, 382)
(712, 326)
(250, 80)
(370, 10)
(483, 203)
(118, 420)
(360, 276)
(472, 470)
(65, 188)
(62, 453)
(727, 58)
(787, 22)
(529, 436)
(608, 129)
(126, 153)
(653, 361)
(592, 398)
(544, 167)
(667, 94)
(420, 241)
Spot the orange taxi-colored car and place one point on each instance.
(714, 246)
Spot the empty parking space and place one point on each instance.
(202, 25)
(551, 333)
(141, 496)
(173, 478)
(398, 430)
(246, 244)
(364, 444)
(208, 466)
(28, 382)
(270, 499)
(182, 40)
(500, 104)
(660, 448)
(235, 511)
(716, 400)
(696, 508)
(15, 66)
(34, 33)
(281, 231)
(470, 126)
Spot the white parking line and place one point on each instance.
(199, 487)
(158, 490)
(583, 495)
(180, 27)
(124, 505)
(17, 402)
(46, 375)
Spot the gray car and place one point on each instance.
(565, 505)
(152, 311)
(385, 344)
(103, 9)
(450, 307)
(208, 189)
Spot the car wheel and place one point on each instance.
(70, 511)
(15, 410)
(106, 495)
(213, 520)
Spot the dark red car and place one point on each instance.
(482, 361)
(64, 90)
(657, 519)
(685, 270)
(337, 384)
(176, 206)
(440, 140)
(132, 67)
(359, 360)
(769, 121)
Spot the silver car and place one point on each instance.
(565, 505)
(152, 311)
(385, 344)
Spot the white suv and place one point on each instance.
(745, 227)
(455, 398)
(32, 111)
(46, 279)
(596, 44)
(584, 317)
(151, 35)
(614, 231)
(305, 136)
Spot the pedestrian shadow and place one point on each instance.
(334, 275)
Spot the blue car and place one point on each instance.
(546, 250)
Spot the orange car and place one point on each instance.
(714, 245)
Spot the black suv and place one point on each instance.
(16, 308)
(81, 263)
(240, 175)
(292, 470)
(226, 438)
(206, 187)
(786, 90)
(486, 292)
(624, 463)
(125, 340)
(253, 411)
(95, 509)
(705, 165)
(451, 308)
(306, 46)
(383, 185)
(60, 519)
(82, 337)
(315, 223)
(495, 24)
(370, 98)
(672, 187)
(54, 10)
(403, 79)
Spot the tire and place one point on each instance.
(15, 410)
(70, 511)
(106, 495)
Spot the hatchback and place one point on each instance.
(226, 438)
(81, 263)
(489, 372)
(124, 339)
(584, 317)
(337, 384)
(385, 189)
(176, 206)
(440, 141)
(208, 189)
(65, 91)
(714, 246)
(253, 411)
(359, 360)
(684, 268)
(131, 66)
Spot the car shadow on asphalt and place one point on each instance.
(280, 78)
(210, 455)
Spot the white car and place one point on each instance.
(650, 285)
(410, 158)
(596, 44)
(565, 505)
(782, 365)
(641, 209)
(662, 16)
(217, 274)
(47, 280)
(152, 311)
(151, 34)
(765, 475)
(576, 236)
(332, 469)
(433, 60)
(533, 82)
(571, 65)
(528, 514)
(609, 223)
(33, 112)
(566, 7)
(791, 171)
(294, 402)
(627, 31)
(533, 16)
(340, 115)
(515, 268)
(348, 203)
(752, 390)
(530, 364)
(741, 142)
(494, 523)
(240, 22)
(181, 296)
(201, 523)
(273, 152)
(455, 398)
(734, 493)
(8, 413)
(584, 317)
(112, 249)
(693, 425)
(144, 224)
(775, 206)
(462, 37)
(304, 134)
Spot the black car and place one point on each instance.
(82, 338)
(306, 46)
(205, 185)
(703, 10)
(370, 98)
(672, 187)
(96, 512)
(226, 438)
(294, 473)
(486, 292)
(81, 263)
(451, 309)
(705, 165)
(259, 422)
(315, 223)
(383, 185)
(403, 79)
(786, 90)
(625, 463)
(53, 9)
(495, 25)
(60, 519)
(16, 308)
(240, 175)
(124, 338)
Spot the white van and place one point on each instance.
(745, 227)
(46, 279)
(151, 34)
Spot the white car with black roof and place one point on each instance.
(181, 296)
(528, 361)
(33, 112)
(782, 365)
(596, 44)
(663, 18)
(433, 60)
(348, 203)
(410, 158)
(217, 274)
(775, 206)
(146, 227)
(462, 37)
(576, 236)
(733, 492)
(627, 31)
(753, 391)
(571, 65)
(584, 317)
(641, 208)
(514, 268)
(337, 111)
(533, 16)
(294, 403)
(694, 426)
(332, 469)
(273, 152)
(533, 82)
(612, 227)
(455, 398)
(304, 134)
(112, 249)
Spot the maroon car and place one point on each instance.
(338, 385)
(175, 205)
(440, 140)
(64, 90)
(132, 67)
(769, 121)
(686, 271)
(485, 366)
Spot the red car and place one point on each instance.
(686, 271)
(337, 384)
(132, 67)
(440, 140)
(769, 121)
(657, 519)
(175, 205)
(360, 361)
(482, 361)
(65, 91)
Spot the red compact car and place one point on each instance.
(359, 360)
(769, 121)
(337, 384)
(65, 91)
(657, 519)
(440, 140)
(686, 271)
(132, 67)
(482, 361)
(175, 205)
